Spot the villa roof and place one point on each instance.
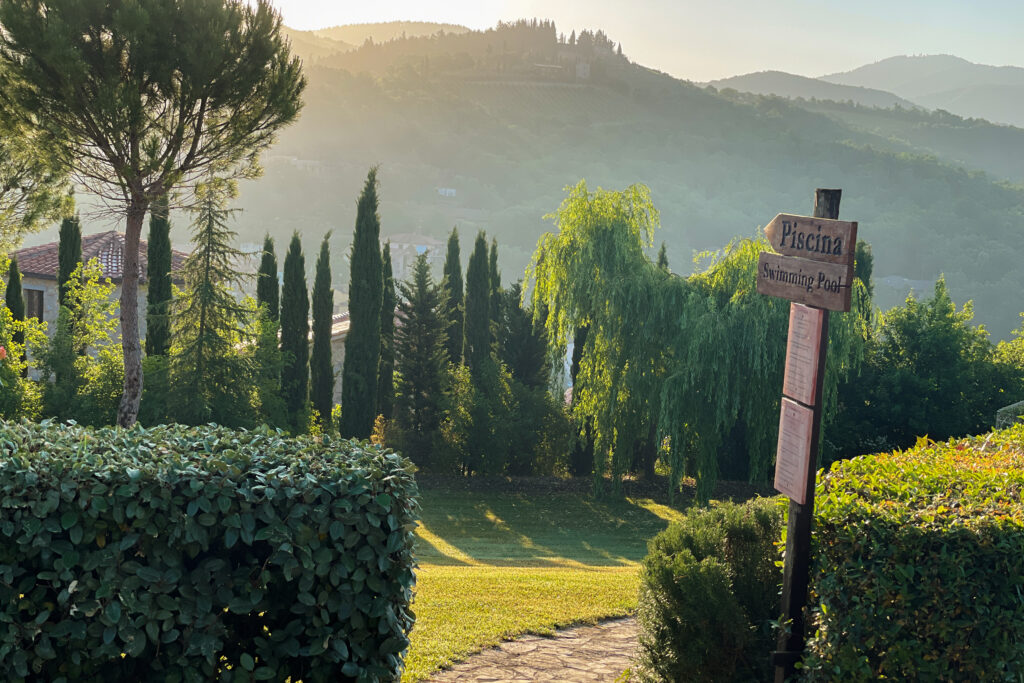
(108, 247)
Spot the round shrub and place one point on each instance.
(709, 587)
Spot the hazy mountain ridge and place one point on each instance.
(946, 82)
(791, 85)
(382, 32)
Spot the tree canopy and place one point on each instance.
(136, 99)
(693, 354)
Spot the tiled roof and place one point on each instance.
(108, 247)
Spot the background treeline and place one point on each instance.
(670, 375)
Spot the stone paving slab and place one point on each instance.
(575, 655)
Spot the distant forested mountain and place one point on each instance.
(791, 85)
(484, 130)
(946, 82)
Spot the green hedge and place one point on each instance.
(197, 554)
(920, 564)
(709, 588)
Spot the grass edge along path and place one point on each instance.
(498, 565)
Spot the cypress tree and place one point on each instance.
(15, 298)
(158, 295)
(295, 334)
(386, 373)
(420, 357)
(362, 345)
(321, 369)
(267, 289)
(663, 258)
(69, 253)
(453, 284)
(495, 278)
(477, 343)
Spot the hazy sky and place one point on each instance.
(707, 39)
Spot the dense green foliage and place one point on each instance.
(14, 299)
(158, 273)
(918, 566)
(522, 344)
(34, 188)
(19, 396)
(208, 366)
(172, 93)
(321, 368)
(683, 358)
(69, 253)
(362, 344)
(81, 365)
(420, 359)
(267, 288)
(927, 370)
(453, 284)
(199, 554)
(389, 302)
(295, 335)
(476, 347)
(494, 277)
(709, 588)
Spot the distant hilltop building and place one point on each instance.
(446, 191)
(38, 266)
(405, 247)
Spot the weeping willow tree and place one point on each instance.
(699, 359)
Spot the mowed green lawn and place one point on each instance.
(494, 565)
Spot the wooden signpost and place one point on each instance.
(813, 269)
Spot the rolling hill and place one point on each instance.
(793, 86)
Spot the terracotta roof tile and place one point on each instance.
(107, 247)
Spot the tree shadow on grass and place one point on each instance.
(513, 529)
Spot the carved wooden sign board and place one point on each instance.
(814, 265)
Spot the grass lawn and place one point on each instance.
(496, 564)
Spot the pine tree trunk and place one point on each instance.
(128, 411)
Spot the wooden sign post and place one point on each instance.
(813, 269)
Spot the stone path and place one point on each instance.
(584, 653)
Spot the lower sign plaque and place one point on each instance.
(800, 380)
(793, 457)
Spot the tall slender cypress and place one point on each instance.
(69, 253)
(321, 369)
(295, 334)
(495, 278)
(386, 372)
(453, 283)
(663, 258)
(158, 271)
(477, 344)
(267, 288)
(15, 298)
(362, 345)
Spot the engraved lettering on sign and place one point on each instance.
(793, 456)
(802, 353)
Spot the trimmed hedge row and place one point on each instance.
(920, 564)
(197, 554)
(709, 589)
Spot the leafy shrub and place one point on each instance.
(919, 564)
(191, 554)
(709, 587)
